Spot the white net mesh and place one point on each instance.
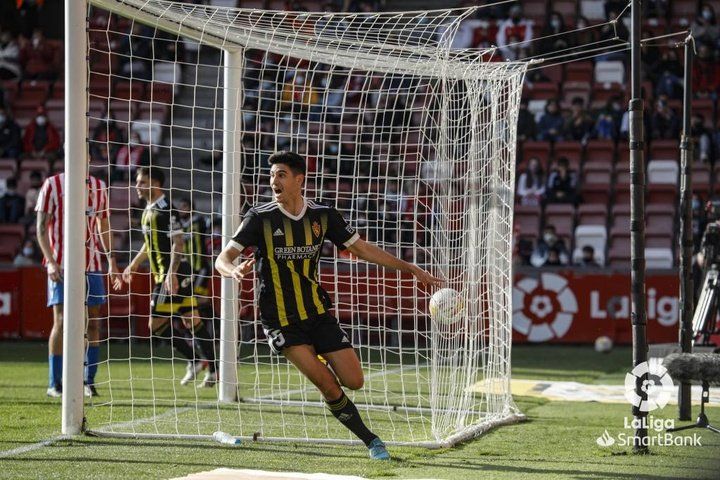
(414, 143)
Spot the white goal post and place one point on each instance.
(412, 141)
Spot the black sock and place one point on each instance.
(176, 337)
(206, 343)
(347, 413)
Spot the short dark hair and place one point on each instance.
(11, 182)
(291, 159)
(155, 174)
(588, 249)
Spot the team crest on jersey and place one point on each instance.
(316, 229)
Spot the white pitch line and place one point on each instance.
(34, 446)
(141, 421)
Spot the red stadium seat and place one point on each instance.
(541, 150)
(567, 8)
(11, 237)
(571, 150)
(592, 214)
(706, 108)
(541, 91)
(527, 220)
(562, 217)
(596, 181)
(619, 254)
(600, 151)
(701, 179)
(579, 72)
(134, 90)
(8, 166)
(665, 150)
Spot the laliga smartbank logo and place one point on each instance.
(658, 388)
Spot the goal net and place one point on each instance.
(412, 141)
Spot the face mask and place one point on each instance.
(27, 251)
(2, 118)
(41, 120)
(35, 42)
(707, 14)
(549, 238)
(555, 23)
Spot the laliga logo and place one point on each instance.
(658, 386)
(543, 310)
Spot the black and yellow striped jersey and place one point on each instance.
(159, 224)
(195, 233)
(288, 252)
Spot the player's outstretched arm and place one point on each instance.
(135, 264)
(374, 254)
(225, 265)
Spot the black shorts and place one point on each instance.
(322, 332)
(200, 284)
(164, 305)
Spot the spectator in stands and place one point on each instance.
(583, 35)
(705, 28)
(27, 255)
(131, 156)
(588, 258)
(9, 57)
(31, 196)
(667, 75)
(550, 39)
(531, 184)
(12, 204)
(526, 127)
(41, 139)
(514, 35)
(10, 138)
(109, 133)
(562, 183)
(608, 121)
(38, 58)
(665, 123)
(549, 241)
(701, 138)
(135, 52)
(579, 124)
(612, 30)
(706, 72)
(553, 258)
(551, 123)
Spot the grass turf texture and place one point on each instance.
(558, 441)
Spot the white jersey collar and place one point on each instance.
(294, 217)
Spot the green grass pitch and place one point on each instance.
(557, 441)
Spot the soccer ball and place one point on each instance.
(446, 306)
(603, 344)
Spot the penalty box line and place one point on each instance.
(32, 447)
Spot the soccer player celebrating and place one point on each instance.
(172, 294)
(195, 231)
(49, 224)
(295, 310)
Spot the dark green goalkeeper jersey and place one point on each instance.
(288, 253)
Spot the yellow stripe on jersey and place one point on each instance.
(290, 242)
(306, 268)
(268, 234)
(160, 274)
